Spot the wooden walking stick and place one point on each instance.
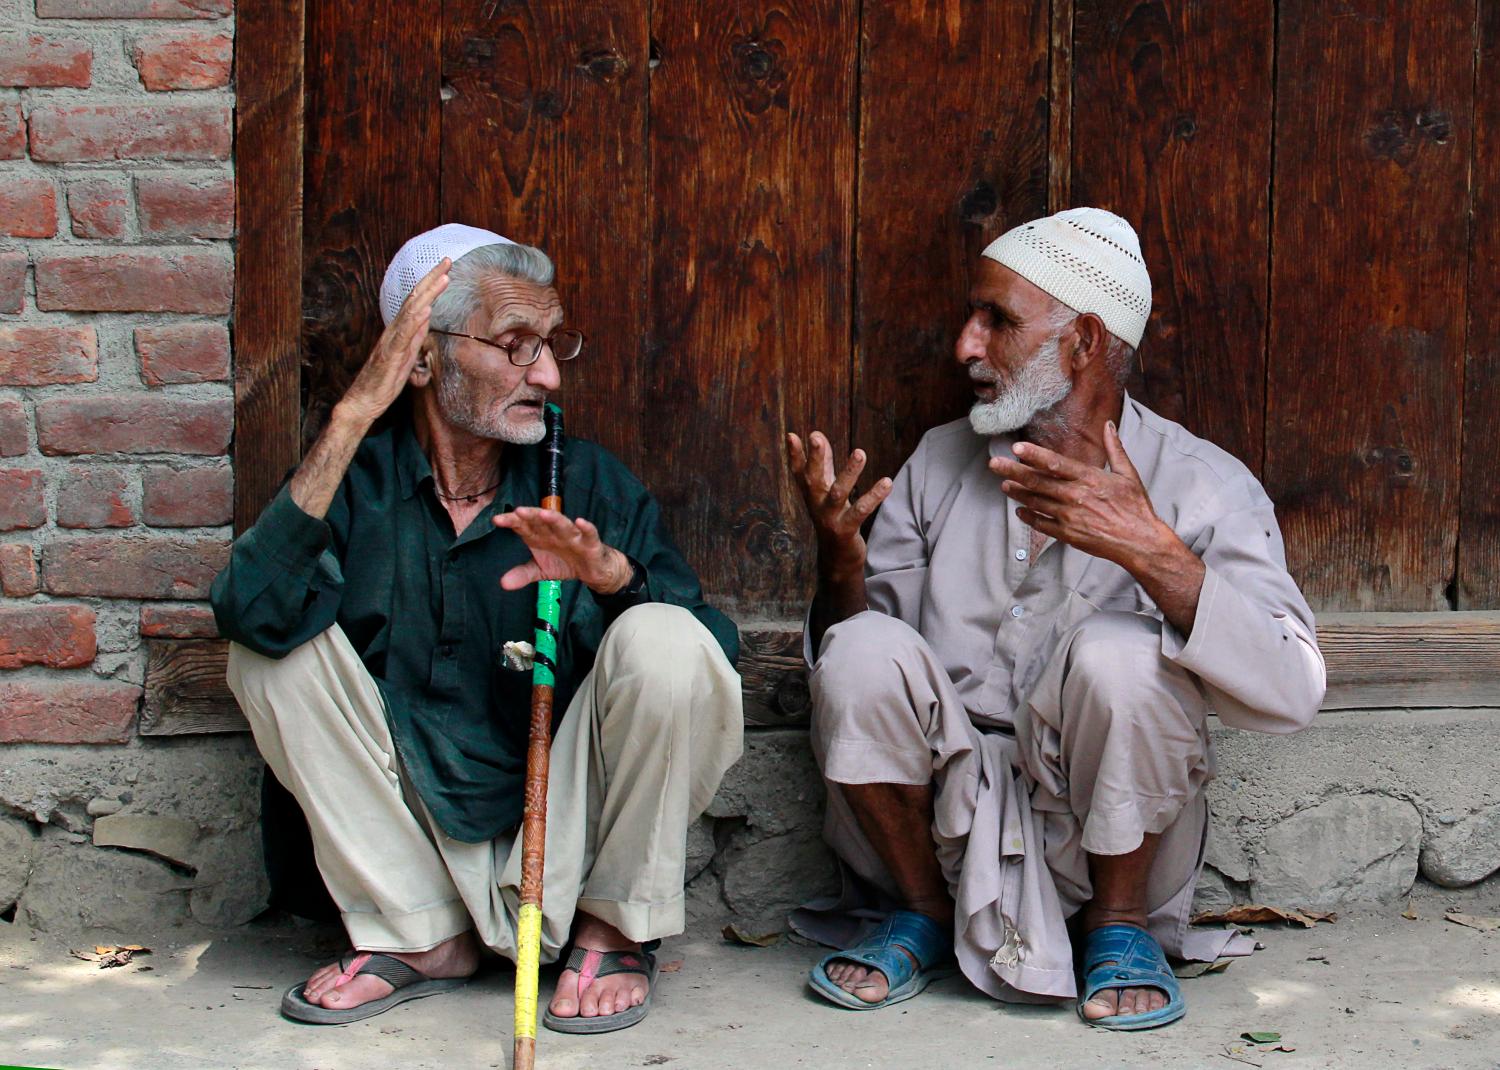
(534, 823)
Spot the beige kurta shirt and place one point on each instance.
(949, 557)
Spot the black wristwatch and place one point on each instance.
(631, 593)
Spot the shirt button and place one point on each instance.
(1016, 611)
(1020, 555)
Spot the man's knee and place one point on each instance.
(862, 656)
(660, 639)
(665, 650)
(1116, 669)
(264, 685)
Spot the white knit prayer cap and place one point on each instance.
(1088, 259)
(422, 253)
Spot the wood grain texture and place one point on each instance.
(1060, 108)
(185, 689)
(544, 141)
(1479, 520)
(372, 174)
(1411, 659)
(752, 184)
(953, 151)
(268, 255)
(1370, 253)
(1172, 106)
(1375, 660)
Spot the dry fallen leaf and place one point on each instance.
(736, 935)
(1255, 914)
(1410, 913)
(1473, 921)
(1198, 969)
(670, 967)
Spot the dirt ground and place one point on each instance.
(1370, 990)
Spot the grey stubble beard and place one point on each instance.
(1029, 399)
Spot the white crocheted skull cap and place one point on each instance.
(1088, 259)
(422, 253)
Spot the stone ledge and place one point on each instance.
(1349, 811)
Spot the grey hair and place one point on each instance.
(458, 303)
(1119, 355)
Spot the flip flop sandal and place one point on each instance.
(904, 930)
(591, 965)
(407, 982)
(1123, 956)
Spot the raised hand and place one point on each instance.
(562, 549)
(1107, 514)
(836, 519)
(1102, 512)
(384, 375)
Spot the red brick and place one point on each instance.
(28, 207)
(57, 636)
(13, 437)
(37, 356)
(175, 622)
(94, 498)
(65, 711)
(21, 504)
(98, 207)
(18, 575)
(189, 60)
(135, 280)
(37, 60)
(133, 9)
(62, 133)
(134, 423)
(172, 207)
(12, 130)
(183, 353)
(125, 566)
(187, 497)
(13, 281)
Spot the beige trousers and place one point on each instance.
(639, 754)
(1112, 745)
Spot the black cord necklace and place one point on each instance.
(469, 498)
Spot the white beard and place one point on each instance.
(456, 403)
(1037, 387)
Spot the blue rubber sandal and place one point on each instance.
(1123, 956)
(918, 934)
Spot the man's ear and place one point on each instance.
(1091, 340)
(424, 370)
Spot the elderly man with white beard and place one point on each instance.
(1012, 679)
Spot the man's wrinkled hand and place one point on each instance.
(1102, 512)
(384, 375)
(836, 519)
(563, 549)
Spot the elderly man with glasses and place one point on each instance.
(370, 608)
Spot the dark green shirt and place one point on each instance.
(426, 613)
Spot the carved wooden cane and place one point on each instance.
(534, 823)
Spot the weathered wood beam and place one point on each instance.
(1374, 660)
(185, 689)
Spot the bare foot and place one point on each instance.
(861, 981)
(458, 956)
(606, 995)
(1123, 1001)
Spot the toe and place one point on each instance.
(1103, 1005)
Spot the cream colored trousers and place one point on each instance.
(639, 754)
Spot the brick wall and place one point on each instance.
(116, 270)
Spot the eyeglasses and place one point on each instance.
(524, 349)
